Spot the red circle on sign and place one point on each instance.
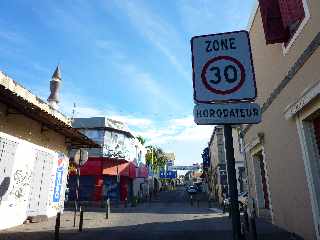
(218, 91)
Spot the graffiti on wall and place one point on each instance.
(21, 180)
(8, 150)
(116, 145)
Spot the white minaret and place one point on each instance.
(53, 99)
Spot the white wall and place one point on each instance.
(35, 187)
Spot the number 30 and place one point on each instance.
(230, 74)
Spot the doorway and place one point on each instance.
(309, 133)
(262, 189)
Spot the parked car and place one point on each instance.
(192, 189)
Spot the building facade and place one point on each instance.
(35, 140)
(218, 182)
(282, 152)
(116, 169)
(218, 177)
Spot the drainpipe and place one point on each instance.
(245, 162)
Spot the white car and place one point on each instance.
(192, 189)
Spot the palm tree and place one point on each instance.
(156, 157)
(141, 140)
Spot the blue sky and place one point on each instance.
(128, 60)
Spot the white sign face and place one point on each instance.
(189, 168)
(222, 68)
(227, 113)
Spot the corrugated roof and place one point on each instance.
(19, 98)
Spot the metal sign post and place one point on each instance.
(232, 180)
(80, 158)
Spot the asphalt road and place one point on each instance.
(169, 216)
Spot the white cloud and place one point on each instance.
(195, 133)
(82, 109)
(149, 86)
(184, 122)
(88, 112)
(133, 121)
(175, 130)
(136, 77)
(159, 32)
(179, 135)
(205, 16)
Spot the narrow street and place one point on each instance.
(169, 216)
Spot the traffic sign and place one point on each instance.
(168, 174)
(222, 68)
(80, 156)
(227, 113)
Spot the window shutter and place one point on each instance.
(291, 11)
(274, 30)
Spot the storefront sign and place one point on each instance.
(58, 182)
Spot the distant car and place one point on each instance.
(199, 187)
(192, 189)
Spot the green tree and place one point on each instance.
(156, 158)
(141, 140)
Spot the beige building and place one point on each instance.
(282, 152)
(217, 174)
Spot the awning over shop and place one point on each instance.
(115, 167)
(142, 172)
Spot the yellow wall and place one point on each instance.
(288, 186)
(25, 128)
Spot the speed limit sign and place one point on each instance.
(222, 68)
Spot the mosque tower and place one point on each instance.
(55, 82)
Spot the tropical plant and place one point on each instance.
(141, 140)
(156, 158)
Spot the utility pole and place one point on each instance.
(232, 180)
(118, 183)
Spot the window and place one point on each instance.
(282, 19)
(96, 135)
(297, 21)
(274, 30)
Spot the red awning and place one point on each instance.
(114, 167)
(91, 167)
(132, 170)
(142, 172)
(107, 166)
